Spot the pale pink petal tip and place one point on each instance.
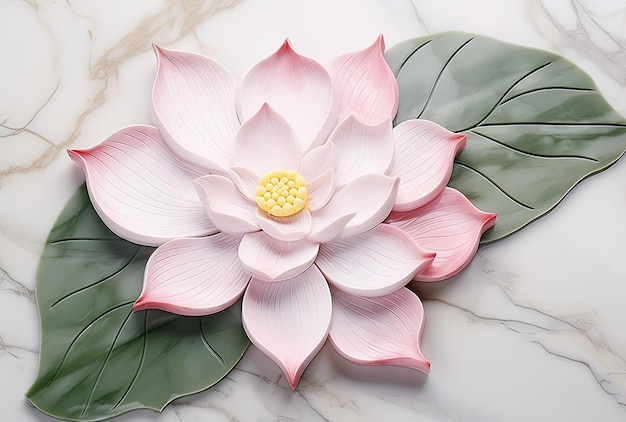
(289, 320)
(140, 190)
(266, 142)
(384, 330)
(193, 276)
(367, 86)
(450, 226)
(298, 88)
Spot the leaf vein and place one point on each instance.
(499, 102)
(443, 68)
(102, 280)
(411, 55)
(104, 364)
(141, 362)
(83, 331)
(550, 88)
(206, 343)
(494, 184)
(534, 154)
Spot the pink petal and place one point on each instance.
(195, 276)
(246, 181)
(374, 263)
(318, 160)
(362, 149)
(450, 226)
(367, 86)
(291, 228)
(383, 330)
(194, 108)
(225, 206)
(271, 259)
(289, 320)
(320, 190)
(424, 154)
(140, 190)
(298, 88)
(369, 197)
(266, 142)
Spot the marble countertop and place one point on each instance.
(533, 329)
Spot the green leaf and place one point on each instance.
(99, 358)
(536, 124)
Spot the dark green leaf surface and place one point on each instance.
(536, 124)
(98, 358)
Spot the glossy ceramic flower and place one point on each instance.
(294, 188)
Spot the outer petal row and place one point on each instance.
(194, 108)
(450, 226)
(379, 331)
(289, 320)
(140, 190)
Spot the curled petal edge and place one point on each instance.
(422, 224)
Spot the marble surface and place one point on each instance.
(533, 329)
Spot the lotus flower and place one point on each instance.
(294, 190)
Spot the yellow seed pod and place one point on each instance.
(281, 193)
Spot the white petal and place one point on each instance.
(318, 160)
(320, 190)
(246, 181)
(266, 142)
(374, 263)
(423, 158)
(194, 276)
(370, 198)
(379, 331)
(327, 227)
(194, 108)
(225, 205)
(368, 88)
(140, 190)
(289, 320)
(271, 259)
(291, 228)
(362, 149)
(298, 88)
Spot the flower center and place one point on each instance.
(281, 193)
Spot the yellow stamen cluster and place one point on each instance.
(281, 193)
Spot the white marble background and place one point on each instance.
(532, 330)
